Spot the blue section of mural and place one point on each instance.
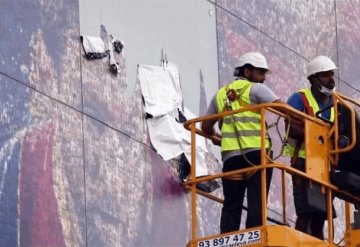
(18, 22)
(17, 25)
(56, 21)
(15, 116)
(9, 180)
(14, 100)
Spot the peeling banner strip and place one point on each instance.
(163, 99)
(161, 90)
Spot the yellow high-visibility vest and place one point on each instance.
(311, 108)
(241, 130)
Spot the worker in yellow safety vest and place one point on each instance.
(241, 139)
(309, 201)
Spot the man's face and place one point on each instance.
(326, 79)
(257, 75)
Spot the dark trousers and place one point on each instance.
(310, 223)
(310, 219)
(234, 191)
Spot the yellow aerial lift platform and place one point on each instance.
(322, 148)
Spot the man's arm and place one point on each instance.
(262, 94)
(296, 129)
(208, 126)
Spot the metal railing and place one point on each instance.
(291, 115)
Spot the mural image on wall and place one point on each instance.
(77, 167)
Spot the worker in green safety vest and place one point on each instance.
(241, 139)
(309, 200)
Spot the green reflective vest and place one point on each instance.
(311, 108)
(241, 130)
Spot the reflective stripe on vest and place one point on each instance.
(311, 107)
(241, 130)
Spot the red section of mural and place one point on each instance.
(39, 219)
(237, 44)
(170, 211)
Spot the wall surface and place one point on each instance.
(76, 164)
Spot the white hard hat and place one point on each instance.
(256, 59)
(320, 64)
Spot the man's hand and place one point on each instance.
(208, 128)
(217, 139)
(296, 130)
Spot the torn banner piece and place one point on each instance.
(161, 89)
(94, 47)
(170, 139)
(163, 99)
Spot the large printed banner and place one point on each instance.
(77, 164)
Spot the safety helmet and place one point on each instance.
(320, 64)
(256, 59)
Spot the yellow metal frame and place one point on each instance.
(320, 136)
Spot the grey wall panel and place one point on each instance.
(348, 27)
(132, 196)
(236, 38)
(302, 26)
(105, 98)
(41, 47)
(184, 29)
(41, 170)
